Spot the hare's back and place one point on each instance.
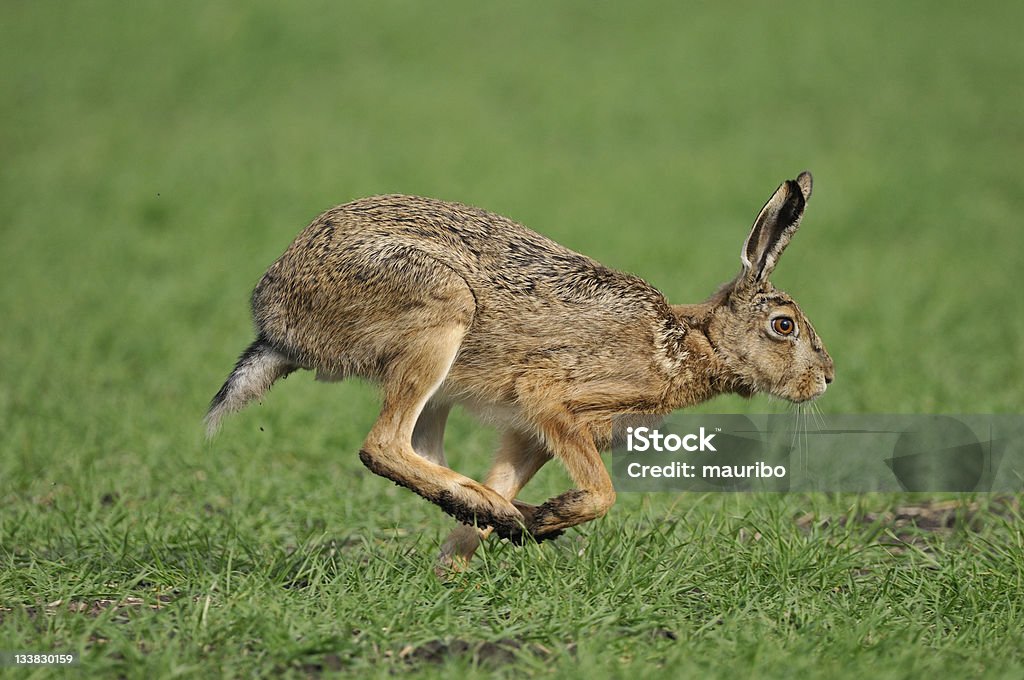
(500, 259)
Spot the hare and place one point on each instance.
(441, 303)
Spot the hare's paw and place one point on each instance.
(551, 518)
(556, 514)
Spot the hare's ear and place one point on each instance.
(773, 228)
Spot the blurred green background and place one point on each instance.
(156, 157)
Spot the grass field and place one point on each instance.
(158, 156)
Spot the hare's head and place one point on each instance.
(759, 332)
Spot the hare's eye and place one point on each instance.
(783, 325)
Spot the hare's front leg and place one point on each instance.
(594, 495)
(413, 375)
(518, 459)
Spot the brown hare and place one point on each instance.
(441, 304)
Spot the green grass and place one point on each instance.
(158, 156)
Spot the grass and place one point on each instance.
(157, 157)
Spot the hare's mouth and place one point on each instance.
(806, 389)
(814, 395)
(801, 397)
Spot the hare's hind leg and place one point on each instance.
(518, 459)
(412, 377)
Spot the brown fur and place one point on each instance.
(442, 303)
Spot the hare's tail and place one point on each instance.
(257, 369)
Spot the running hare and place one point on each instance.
(441, 304)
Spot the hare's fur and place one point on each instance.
(441, 304)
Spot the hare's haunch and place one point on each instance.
(441, 304)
